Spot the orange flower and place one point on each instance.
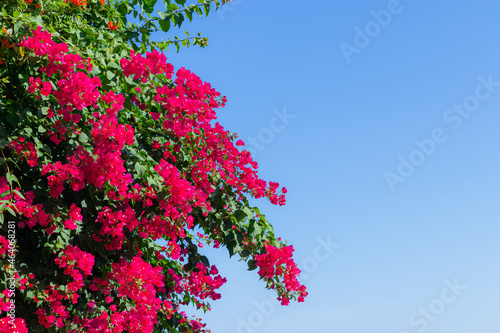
(103, 2)
(111, 26)
(5, 43)
(79, 3)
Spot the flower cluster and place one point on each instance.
(278, 262)
(32, 214)
(74, 215)
(78, 90)
(4, 245)
(113, 223)
(45, 88)
(76, 263)
(183, 196)
(26, 150)
(61, 174)
(75, 88)
(201, 284)
(138, 281)
(58, 314)
(19, 325)
(140, 68)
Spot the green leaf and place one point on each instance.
(3, 143)
(9, 209)
(28, 131)
(240, 215)
(23, 77)
(164, 24)
(83, 137)
(110, 76)
(124, 9)
(13, 119)
(148, 6)
(252, 265)
(9, 176)
(178, 18)
(189, 14)
(206, 7)
(29, 295)
(140, 169)
(18, 193)
(198, 10)
(164, 15)
(47, 149)
(172, 7)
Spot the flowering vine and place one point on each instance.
(115, 173)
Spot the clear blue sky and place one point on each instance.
(389, 145)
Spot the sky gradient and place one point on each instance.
(382, 120)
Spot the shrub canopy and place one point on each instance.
(106, 149)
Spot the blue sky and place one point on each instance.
(389, 153)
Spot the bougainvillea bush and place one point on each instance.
(107, 153)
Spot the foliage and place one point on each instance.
(104, 151)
